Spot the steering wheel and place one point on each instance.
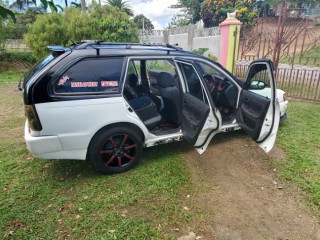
(210, 82)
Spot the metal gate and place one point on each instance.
(294, 47)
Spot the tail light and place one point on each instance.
(32, 117)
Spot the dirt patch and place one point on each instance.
(238, 195)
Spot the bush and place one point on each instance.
(114, 25)
(317, 24)
(101, 23)
(17, 56)
(47, 30)
(200, 51)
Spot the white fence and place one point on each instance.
(189, 38)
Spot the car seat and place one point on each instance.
(142, 104)
(171, 97)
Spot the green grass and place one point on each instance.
(303, 89)
(9, 77)
(41, 199)
(311, 58)
(299, 137)
(10, 72)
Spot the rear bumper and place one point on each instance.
(41, 144)
(49, 147)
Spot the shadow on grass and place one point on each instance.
(74, 169)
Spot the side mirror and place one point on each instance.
(254, 84)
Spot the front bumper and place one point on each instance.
(283, 117)
(283, 108)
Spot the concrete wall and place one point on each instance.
(189, 38)
(213, 43)
(153, 39)
(180, 39)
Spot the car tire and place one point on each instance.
(116, 150)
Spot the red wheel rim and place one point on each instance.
(118, 151)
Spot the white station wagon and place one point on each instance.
(107, 101)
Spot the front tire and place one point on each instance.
(116, 150)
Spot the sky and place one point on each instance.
(157, 11)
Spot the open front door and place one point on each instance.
(199, 121)
(259, 114)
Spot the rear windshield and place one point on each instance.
(40, 65)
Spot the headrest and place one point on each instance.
(132, 79)
(208, 78)
(165, 79)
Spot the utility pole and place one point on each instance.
(143, 24)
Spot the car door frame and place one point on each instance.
(269, 123)
(208, 128)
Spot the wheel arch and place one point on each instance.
(113, 125)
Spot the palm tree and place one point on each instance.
(20, 5)
(122, 5)
(83, 6)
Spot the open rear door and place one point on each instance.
(259, 115)
(199, 121)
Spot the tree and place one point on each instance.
(178, 21)
(143, 22)
(20, 5)
(214, 12)
(247, 11)
(47, 30)
(122, 5)
(79, 26)
(190, 9)
(101, 22)
(17, 30)
(114, 24)
(5, 12)
(83, 6)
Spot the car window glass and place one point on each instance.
(137, 66)
(157, 66)
(134, 68)
(209, 70)
(258, 77)
(161, 65)
(91, 75)
(191, 80)
(40, 65)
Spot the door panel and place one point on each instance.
(194, 115)
(252, 111)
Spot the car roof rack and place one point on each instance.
(96, 43)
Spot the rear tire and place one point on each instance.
(116, 150)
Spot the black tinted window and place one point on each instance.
(40, 65)
(91, 75)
